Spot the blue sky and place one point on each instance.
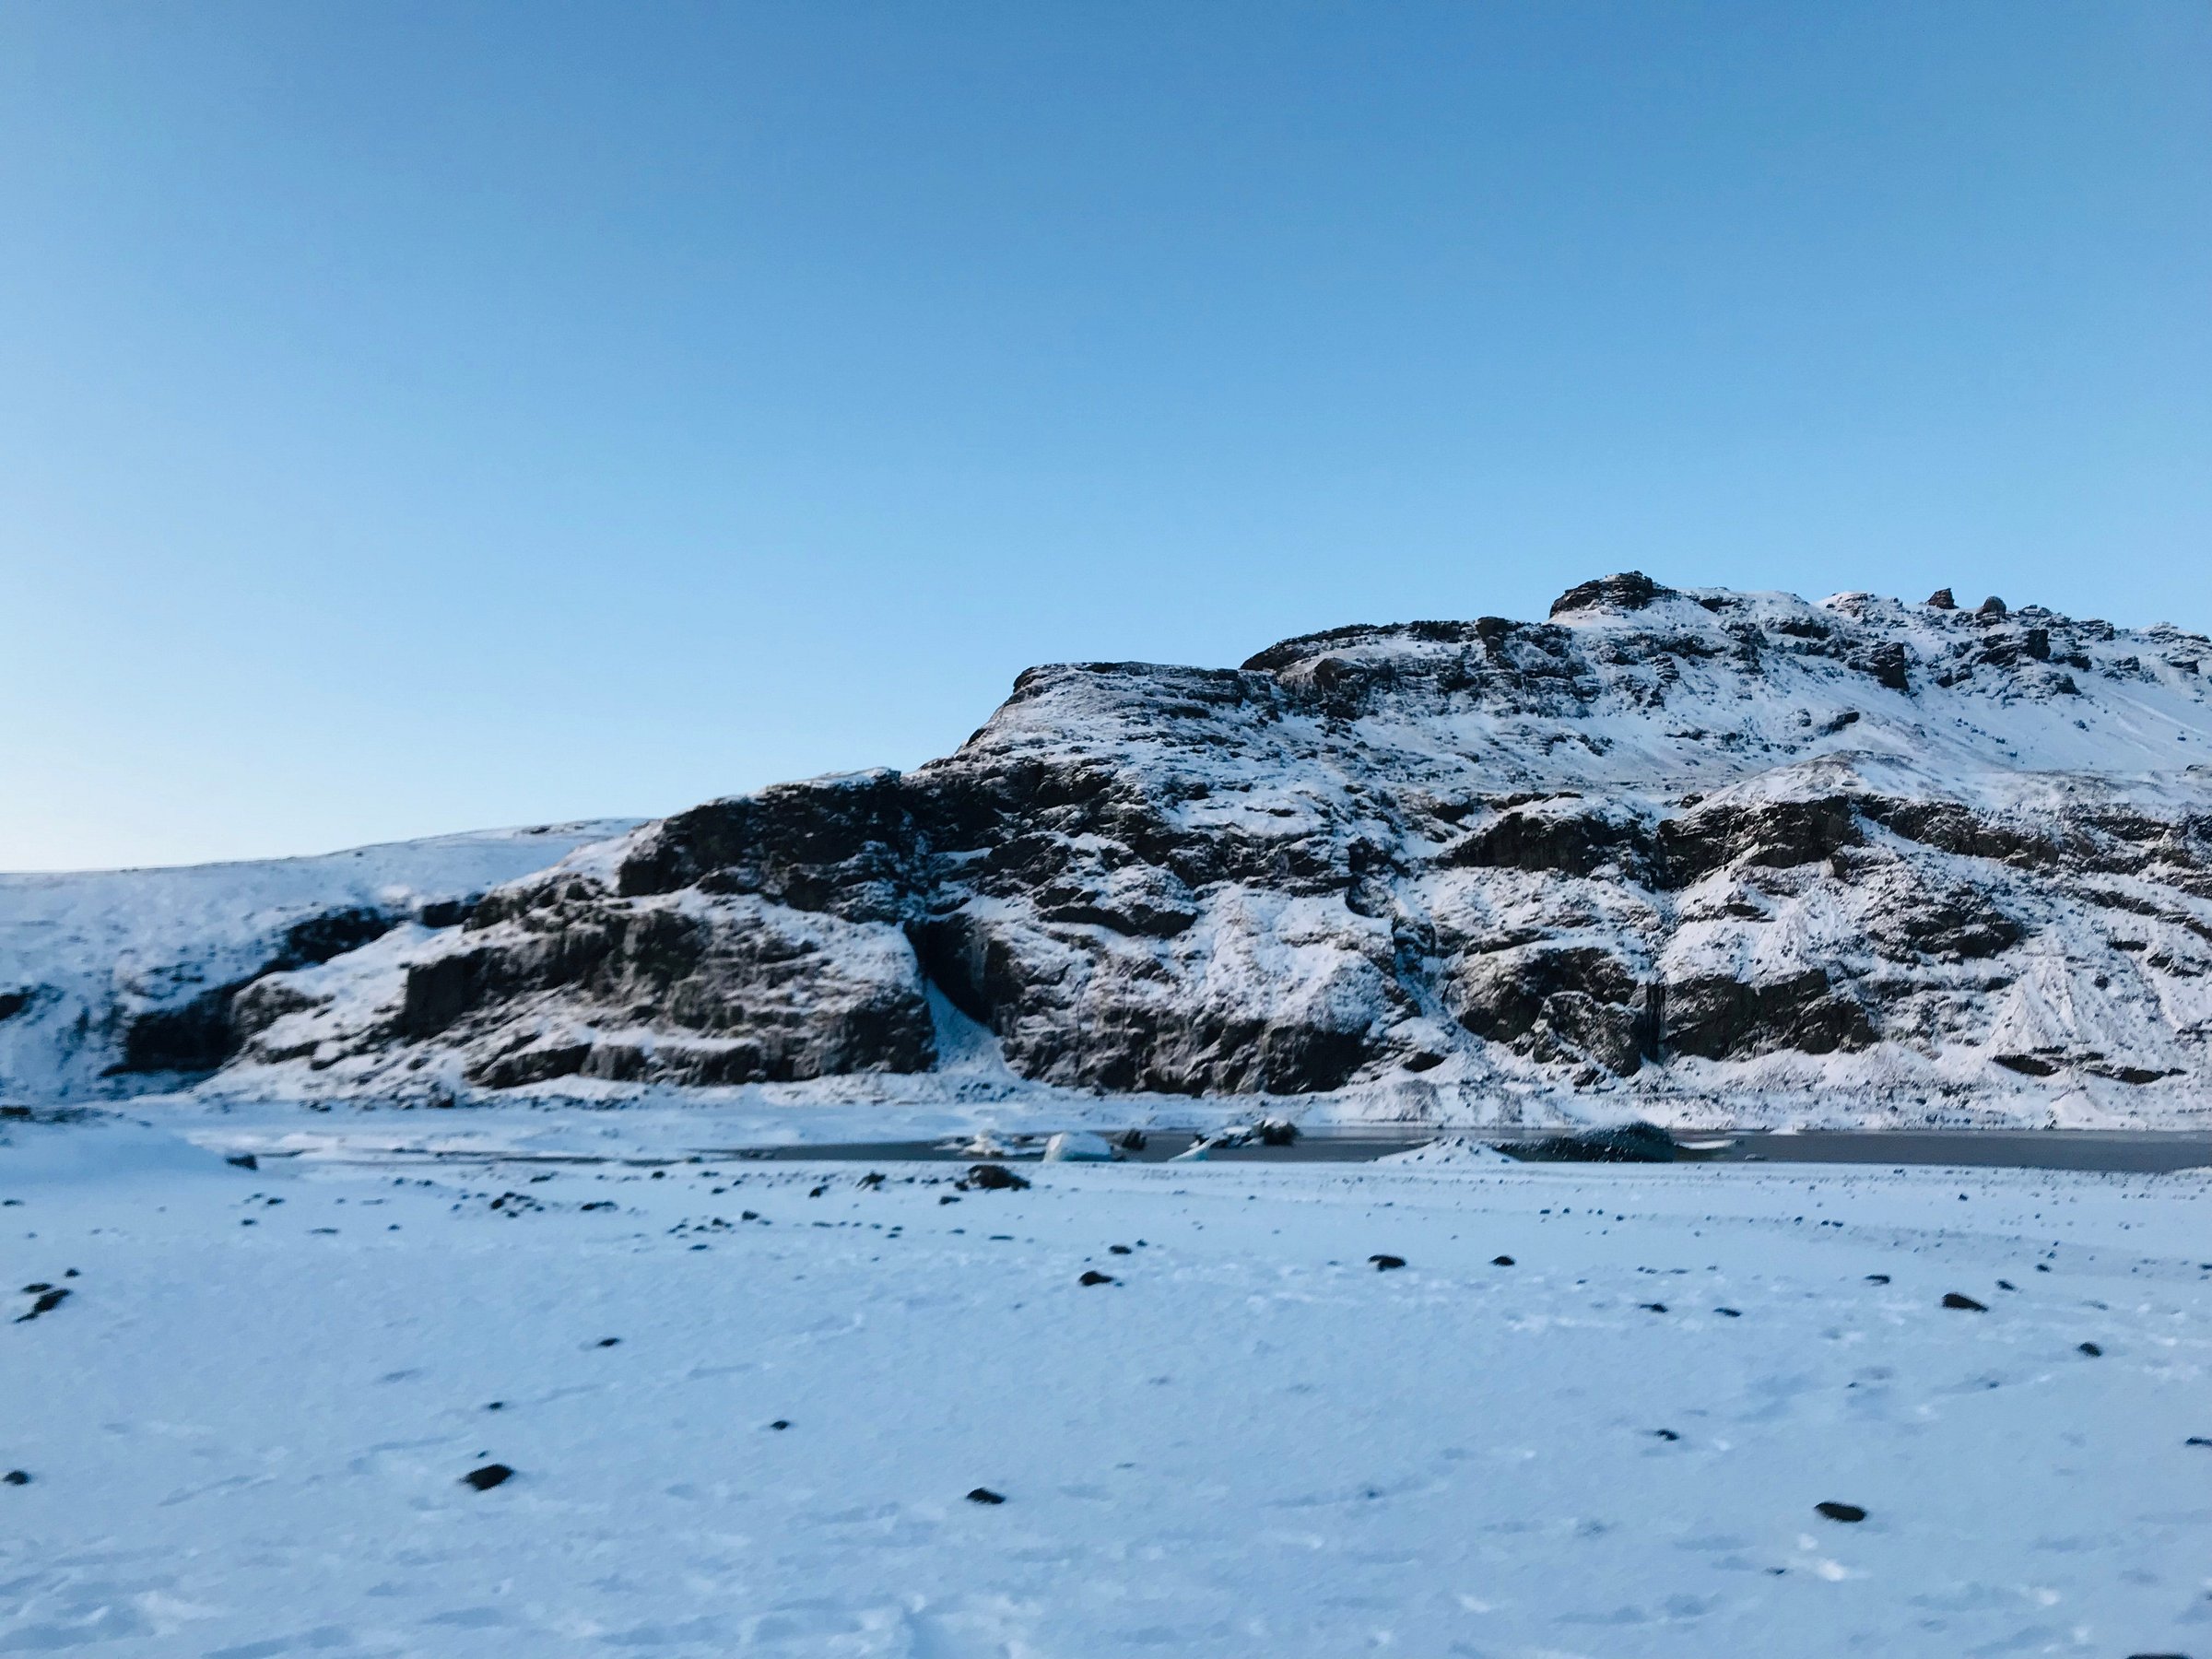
(422, 416)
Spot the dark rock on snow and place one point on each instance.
(489, 1476)
(1383, 1264)
(1951, 1299)
(1626, 1143)
(996, 1177)
(49, 1300)
(1841, 1511)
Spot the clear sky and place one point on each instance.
(418, 416)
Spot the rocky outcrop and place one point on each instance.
(1665, 839)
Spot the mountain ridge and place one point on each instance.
(1700, 853)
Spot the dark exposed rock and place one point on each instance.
(1553, 1000)
(1952, 1298)
(1619, 1143)
(1715, 1016)
(1631, 591)
(994, 1177)
(1774, 835)
(1941, 600)
(1383, 1264)
(1850, 1512)
(49, 1297)
(17, 1478)
(1991, 606)
(1091, 1276)
(489, 1476)
(13, 1003)
(1574, 842)
(194, 1036)
(986, 1495)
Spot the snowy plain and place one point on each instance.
(245, 1426)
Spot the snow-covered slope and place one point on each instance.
(114, 981)
(1700, 855)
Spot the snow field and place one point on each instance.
(246, 1427)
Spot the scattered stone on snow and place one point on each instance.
(1091, 1276)
(1841, 1511)
(489, 1476)
(17, 1478)
(992, 1177)
(1951, 1299)
(1383, 1264)
(48, 1301)
(986, 1495)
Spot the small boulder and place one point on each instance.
(489, 1476)
(46, 1303)
(1841, 1511)
(1941, 600)
(1991, 606)
(1383, 1264)
(17, 1478)
(986, 1495)
(994, 1177)
(2091, 1349)
(1501, 1261)
(1091, 1276)
(1951, 1299)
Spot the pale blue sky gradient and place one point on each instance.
(420, 416)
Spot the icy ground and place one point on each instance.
(245, 1426)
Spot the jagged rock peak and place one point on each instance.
(1629, 590)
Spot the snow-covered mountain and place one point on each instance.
(115, 982)
(1697, 853)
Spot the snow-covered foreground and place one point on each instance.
(246, 1425)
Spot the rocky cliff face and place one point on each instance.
(1665, 842)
